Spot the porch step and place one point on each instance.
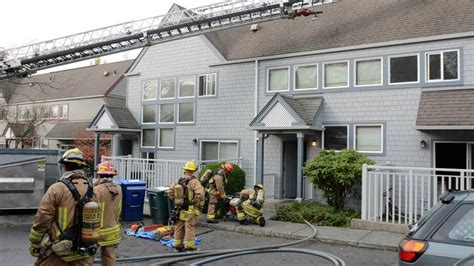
(378, 226)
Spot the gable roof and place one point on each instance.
(347, 23)
(18, 129)
(68, 130)
(117, 118)
(80, 82)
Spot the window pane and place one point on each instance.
(369, 72)
(166, 137)
(450, 62)
(228, 151)
(167, 113)
(54, 111)
(459, 226)
(149, 89)
(209, 151)
(434, 66)
(306, 77)
(278, 79)
(186, 112)
(404, 69)
(368, 138)
(167, 88)
(335, 75)
(149, 113)
(148, 138)
(202, 85)
(335, 138)
(186, 87)
(211, 84)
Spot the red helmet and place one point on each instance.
(228, 167)
(106, 168)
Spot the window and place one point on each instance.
(336, 75)
(306, 77)
(54, 111)
(166, 138)
(219, 150)
(459, 226)
(185, 112)
(442, 66)
(63, 110)
(186, 87)
(148, 138)
(335, 138)
(149, 90)
(368, 138)
(2, 114)
(207, 85)
(166, 113)
(149, 114)
(404, 69)
(167, 88)
(277, 79)
(46, 112)
(368, 72)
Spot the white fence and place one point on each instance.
(154, 172)
(403, 194)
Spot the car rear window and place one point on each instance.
(418, 225)
(459, 227)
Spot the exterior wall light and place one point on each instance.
(423, 144)
(195, 141)
(314, 143)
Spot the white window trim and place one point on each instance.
(143, 88)
(218, 147)
(427, 66)
(294, 76)
(207, 89)
(194, 113)
(268, 78)
(149, 123)
(159, 135)
(159, 89)
(348, 74)
(159, 114)
(179, 87)
(381, 137)
(417, 70)
(141, 138)
(67, 113)
(368, 59)
(336, 125)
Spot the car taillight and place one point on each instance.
(410, 250)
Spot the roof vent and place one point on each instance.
(106, 73)
(254, 27)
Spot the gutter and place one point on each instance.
(256, 132)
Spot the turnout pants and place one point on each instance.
(185, 231)
(107, 255)
(212, 207)
(55, 260)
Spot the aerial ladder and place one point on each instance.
(28, 59)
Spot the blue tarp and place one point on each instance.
(151, 235)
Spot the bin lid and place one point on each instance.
(132, 182)
(158, 189)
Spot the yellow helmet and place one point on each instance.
(190, 166)
(73, 156)
(259, 186)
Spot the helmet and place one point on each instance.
(73, 156)
(259, 186)
(106, 168)
(228, 167)
(190, 166)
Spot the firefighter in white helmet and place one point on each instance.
(188, 196)
(109, 197)
(250, 207)
(54, 234)
(215, 187)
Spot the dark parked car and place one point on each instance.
(445, 235)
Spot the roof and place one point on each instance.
(306, 108)
(454, 108)
(18, 129)
(346, 23)
(114, 118)
(79, 82)
(123, 117)
(69, 130)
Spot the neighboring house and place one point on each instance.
(52, 110)
(391, 79)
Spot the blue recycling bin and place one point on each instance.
(133, 199)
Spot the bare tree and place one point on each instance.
(23, 123)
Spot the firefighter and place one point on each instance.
(251, 203)
(109, 197)
(54, 229)
(215, 183)
(188, 195)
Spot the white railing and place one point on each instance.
(154, 172)
(403, 194)
(269, 185)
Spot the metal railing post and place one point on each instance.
(410, 211)
(364, 207)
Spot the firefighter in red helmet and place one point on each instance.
(215, 183)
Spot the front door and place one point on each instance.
(289, 169)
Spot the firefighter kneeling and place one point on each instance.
(249, 209)
(188, 196)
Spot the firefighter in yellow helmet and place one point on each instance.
(250, 207)
(215, 187)
(109, 197)
(54, 234)
(188, 196)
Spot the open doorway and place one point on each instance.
(452, 155)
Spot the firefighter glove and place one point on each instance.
(257, 205)
(218, 195)
(34, 250)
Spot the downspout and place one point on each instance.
(255, 133)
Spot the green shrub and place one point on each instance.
(235, 181)
(315, 214)
(335, 173)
